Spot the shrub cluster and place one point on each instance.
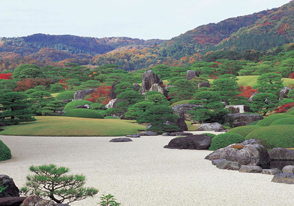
(223, 140)
(267, 121)
(65, 95)
(284, 121)
(244, 130)
(5, 152)
(85, 113)
(74, 104)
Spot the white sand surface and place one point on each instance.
(143, 173)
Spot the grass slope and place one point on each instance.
(252, 81)
(71, 126)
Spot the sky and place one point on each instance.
(152, 19)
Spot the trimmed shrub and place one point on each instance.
(65, 95)
(252, 123)
(208, 134)
(223, 140)
(267, 121)
(244, 130)
(284, 121)
(85, 113)
(290, 111)
(181, 102)
(97, 106)
(274, 136)
(56, 88)
(74, 104)
(5, 152)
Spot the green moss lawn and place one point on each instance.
(71, 126)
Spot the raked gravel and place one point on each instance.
(143, 173)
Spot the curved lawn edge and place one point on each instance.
(71, 126)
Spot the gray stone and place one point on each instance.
(81, 94)
(251, 154)
(166, 134)
(158, 88)
(11, 201)
(37, 201)
(284, 178)
(147, 133)
(137, 87)
(288, 169)
(271, 171)
(250, 141)
(251, 97)
(250, 169)
(197, 142)
(284, 92)
(204, 84)
(148, 79)
(182, 110)
(11, 190)
(281, 154)
(191, 74)
(86, 106)
(180, 134)
(238, 109)
(236, 120)
(121, 140)
(225, 164)
(211, 127)
(133, 136)
(216, 161)
(182, 124)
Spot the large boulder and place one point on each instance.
(37, 201)
(148, 79)
(238, 108)
(250, 154)
(81, 94)
(11, 201)
(204, 84)
(191, 74)
(284, 178)
(284, 92)
(158, 88)
(228, 165)
(121, 139)
(182, 124)
(136, 86)
(197, 142)
(288, 169)
(250, 169)
(236, 120)
(182, 110)
(281, 154)
(272, 171)
(211, 127)
(11, 190)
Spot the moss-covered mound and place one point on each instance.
(290, 111)
(65, 95)
(274, 136)
(244, 130)
(85, 113)
(267, 121)
(74, 104)
(5, 152)
(223, 140)
(283, 121)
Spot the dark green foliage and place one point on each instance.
(7, 85)
(208, 134)
(97, 106)
(67, 95)
(274, 136)
(252, 123)
(122, 87)
(51, 107)
(30, 91)
(138, 109)
(52, 182)
(5, 152)
(40, 88)
(27, 71)
(108, 200)
(269, 83)
(223, 140)
(227, 88)
(54, 88)
(264, 102)
(157, 99)
(290, 111)
(244, 130)
(74, 104)
(84, 113)
(182, 90)
(283, 121)
(270, 119)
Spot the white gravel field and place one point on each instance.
(143, 173)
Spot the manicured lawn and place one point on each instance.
(252, 80)
(71, 126)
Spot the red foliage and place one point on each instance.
(291, 76)
(284, 108)
(102, 91)
(6, 76)
(63, 82)
(247, 91)
(30, 83)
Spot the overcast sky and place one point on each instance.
(143, 19)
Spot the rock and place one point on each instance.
(283, 178)
(182, 124)
(236, 120)
(204, 84)
(158, 88)
(81, 94)
(225, 164)
(288, 169)
(271, 171)
(11, 201)
(180, 134)
(281, 154)
(216, 161)
(133, 136)
(251, 154)
(197, 142)
(11, 190)
(121, 140)
(284, 93)
(166, 134)
(147, 133)
(251, 97)
(66, 100)
(238, 108)
(250, 169)
(182, 110)
(110, 104)
(137, 87)
(37, 201)
(86, 106)
(112, 94)
(250, 141)
(148, 79)
(191, 74)
(211, 127)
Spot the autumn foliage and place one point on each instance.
(6, 76)
(101, 95)
(247, 91)
(30, 83)
(284, 108)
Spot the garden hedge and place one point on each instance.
(225, 139)
(274, 136)
(85, 113)
(284, 121)
(267, 121)
(74, 104)
(244, 130)
(65, 95)
(5, 152)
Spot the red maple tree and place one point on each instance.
(101, 95)
(247, 91)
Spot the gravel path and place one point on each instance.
(143, 173)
